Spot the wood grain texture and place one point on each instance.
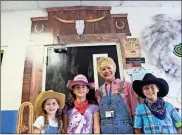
(32, 80)
(71, 8)
(39, 18)
(119, 18)
(103, 31)
(40, 26)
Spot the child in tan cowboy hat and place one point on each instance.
(81, 115)
(47, 106)
(155, 116)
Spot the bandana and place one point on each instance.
(81, 107)
(158, 109)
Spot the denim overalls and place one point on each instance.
(51, 130)
(121, 122)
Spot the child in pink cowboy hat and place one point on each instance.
(81, 115)
(79, 79)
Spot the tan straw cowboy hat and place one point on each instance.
(46, 95)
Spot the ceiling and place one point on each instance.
(33, 5)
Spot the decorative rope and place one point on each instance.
(20, 126)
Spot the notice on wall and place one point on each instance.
(138, 74)
(135, 60)
(131, 48)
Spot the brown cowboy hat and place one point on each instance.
(46, 95)
(79, 80)
(151, 79)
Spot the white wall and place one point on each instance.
(140, 17)
(15, 33)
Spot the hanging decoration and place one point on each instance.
(80, 24)
(163, 40)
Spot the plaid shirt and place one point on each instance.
(152, 125)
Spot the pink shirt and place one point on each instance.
(129, 96)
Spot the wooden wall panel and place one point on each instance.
(80, 13)
(32, 80)
(27, 77)
(121, 21)
(33, 71)
(56, 24)
(51, 23)
(40, 25)
(107, 25)
(89, 26)
(107, 22)
(96, 24)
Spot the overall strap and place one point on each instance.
(121, 84)
(101, 89)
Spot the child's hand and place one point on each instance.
(24, 129)
(180, 130)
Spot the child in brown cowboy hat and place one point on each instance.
(81, 115)
(155, 116)
(47, 106)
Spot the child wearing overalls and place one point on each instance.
(117, 101)
(48, 106)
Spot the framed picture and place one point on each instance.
(97, 78)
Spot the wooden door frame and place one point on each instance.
(33, 71)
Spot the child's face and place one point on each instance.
(51, 106)
(80, 90)
(107, 72)
(150, 91)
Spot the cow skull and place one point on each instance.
(79, 24)
(80, 28)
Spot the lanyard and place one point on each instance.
(108, 94)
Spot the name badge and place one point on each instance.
(109, 114)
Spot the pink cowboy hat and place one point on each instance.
(79, 80)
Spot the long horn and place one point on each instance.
(64, 21)
(95, 20)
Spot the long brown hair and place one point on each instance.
(58, 117)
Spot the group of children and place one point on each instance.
(116, 110)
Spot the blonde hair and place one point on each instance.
(105, 61)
